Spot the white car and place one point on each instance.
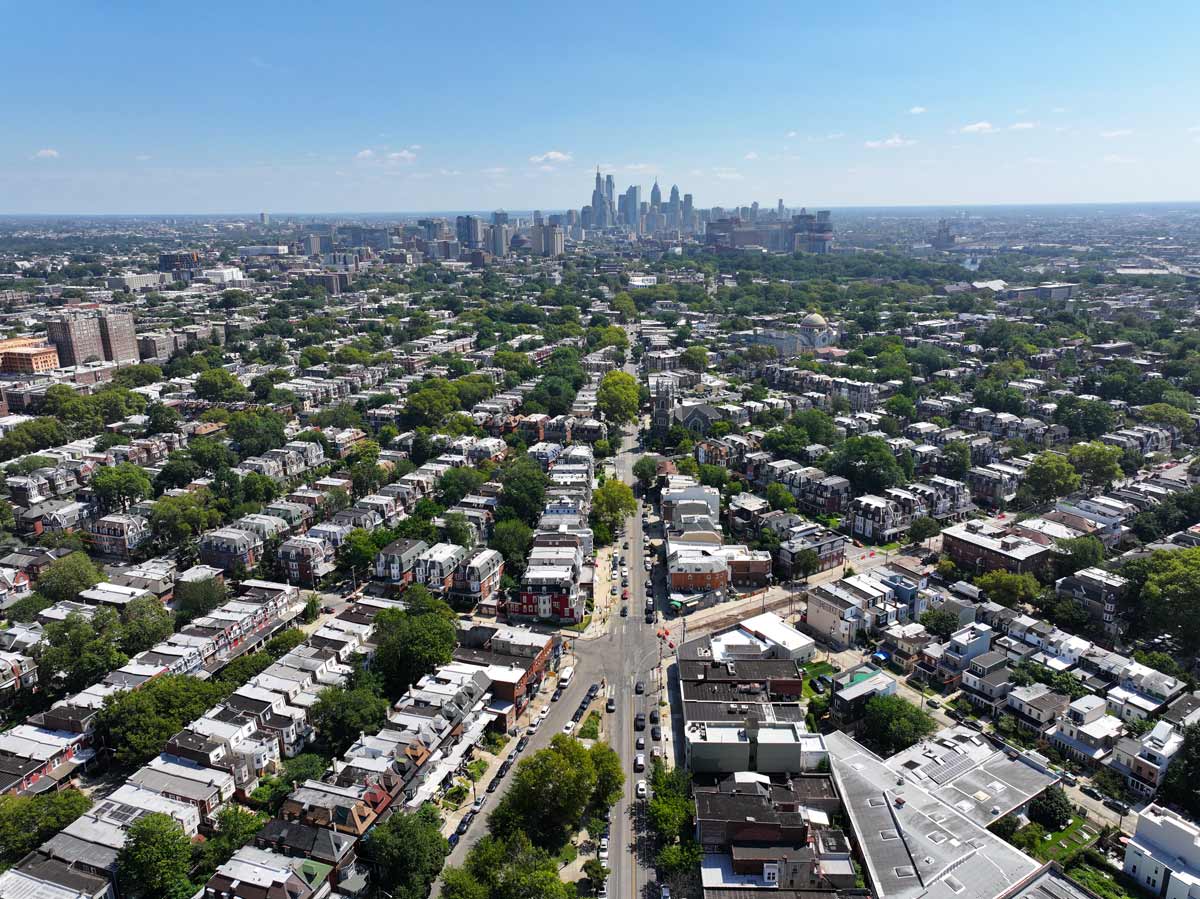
(624, 571)
(603, 848)
(666, 892)
(639, 762)
(640, 790)
(569, 727)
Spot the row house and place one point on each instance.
(942, 665)
(1097, 592)
(995, 484)
(386, 507)
(397, 562)
(120, 534)
(986, 682)
(1143, 761)
(549, 592)
(41, 485)
(883, 519)
(226, 548)
(1141, 439)
(1086, 732)
(1036, 708)
(435, 567)
(945, 498)
(297, 515)
(306, 560)
(829, 546)
(818, 493)
(477, 578)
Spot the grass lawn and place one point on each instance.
(1076, 835)
(590, 730)
(1106, 884)
(816, 669)
(581, 626)
(477, 769)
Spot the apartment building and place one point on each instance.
(986, 545)
(435, 566)
(1163, 855)
(1087, 732)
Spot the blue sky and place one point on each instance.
(223, 107)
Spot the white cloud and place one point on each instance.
(1058, 110)
(449, 172)
(638, 167)
(889, 143)
(1115, 133)
(143, 157)
(835, 135)
(917, 110)
(551, 156)
(414, 147)
(751, 155)
(495, 170)
(727, 174)
(1195, 129)
(365, 154)
(977, 128)
(1117, 159)
(46, 153)
(402, 156)
(1022, 126)
(792, 134)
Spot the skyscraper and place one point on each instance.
(77, 339)
(553, 240)
(655, 197)
(500, 239)
(499, 217)
(118, 337)
(688, 214)
(633, 206)
(673, 208)
(600, 204)
(264, 219)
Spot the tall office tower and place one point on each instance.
(673, 208)
(461, 228)
(688, 212)
(655, 196)
(633, 206)
(754, 211)
(118, 337)
(469, 231)
(537, 217)
(586, 218)
(600, 204)
(77, 339)
(610, 189)
(780, 212)
(264, 219)
(622, 209)
(499, 217)
(500, 239)
(553, 240)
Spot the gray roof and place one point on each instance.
(914, 844)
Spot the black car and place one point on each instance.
(654, 716)
(624, 611)
(639, 687)
(502, 770)
(593, 691)
(611, 705)
(656, 733)
(1117, 806)
(557, 695)
(522, 743)
(639, 721)
(649, 618)
(494, 784)
(465, 824)
(1092, 792)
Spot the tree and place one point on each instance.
(595, 871)
(28, 821)
(1009, 589)
(26, 608)
(411, 642)
(901, 407)
(780, 498)
(1182, 783)
(1052, 809)
(806, 563)
(645, 470)
(892, 723)
(65, 578)
(694, 358)
(549, 793)
(340, 716)
(524, 491)
(236, 826)
(77, 652)
(618, 397)
(196, 598)
(145, 621)
(459, 482)
(679, 858)
(1171, 595)
(161, 419)
(868, 463)
(176, 520)
(512, 539)
(613, 501)
(136, 724)
(624, 306)
(407, 851)
(1048, 477)
(1079, 552)
(155, 860)
(956, 459)
(358, 550)
(939, 622)
(219, 386)
(457, 530)
(117, 487)
(1169, 416)
(254, 433)
(610, 777)
(923, 528)
(714, 476)
(1097, 463)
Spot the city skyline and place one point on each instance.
(865, 107)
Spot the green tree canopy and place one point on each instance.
(1048, 477)
(892, 723)
(618, 397)
(407, 852)
(1009, 589)
(65, 578)
(156, 859)
(1097, 463)
(340, 716)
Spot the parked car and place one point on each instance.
(494, 783)
(478, 804)
(624, 611)
(1117, 806)
(639, 743)
(654, 716)
(640, 789)
(465, 824)
(639, 762)
(639, 687)
(569, 727)
(656, 733)
(649, 618)
(611, 705)
(933, 703)
(639, 721)
(603, 848)
(558, 692)
(453, 840)
(666, 892)
(522, 743)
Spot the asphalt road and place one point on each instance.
(628, 652)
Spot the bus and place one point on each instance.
(564, 677)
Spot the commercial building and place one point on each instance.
(27, 357)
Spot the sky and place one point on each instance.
(133, 107)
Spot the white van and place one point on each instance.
(564, 677)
